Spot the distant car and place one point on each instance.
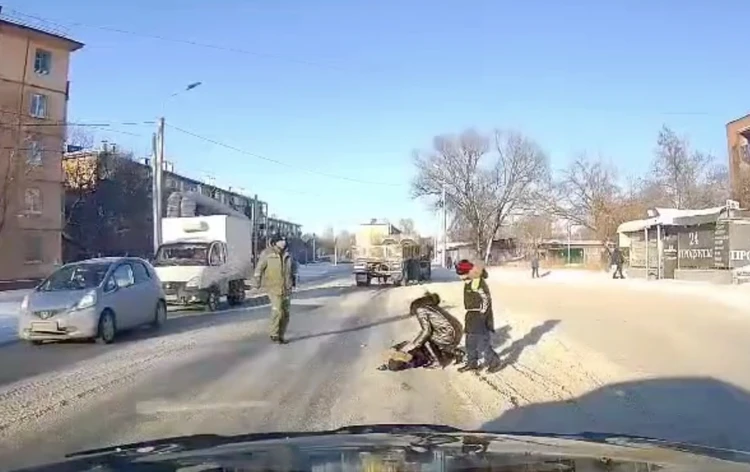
(93, 299)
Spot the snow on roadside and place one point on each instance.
(735, 296)
(9, 320)
(540, 365)
(35, 401)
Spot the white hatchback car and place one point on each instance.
(93, 299)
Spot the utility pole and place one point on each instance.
(156, 190)
(315, 254)
(335, 249)
(254, 230)
(444, 229)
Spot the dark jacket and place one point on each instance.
(276, 272)
(535, 262)
(438, 326)
(478, 305)
(617, 258)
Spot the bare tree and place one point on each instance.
(484, 179)
(406, 225)
(107, 196)
(586, 194)
(12, 173)
(687, 178)
(15, 168)
(79, 136)
(531, 230)
(344, 242)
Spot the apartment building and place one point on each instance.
(34, 93)
(738, 150)
(87, 170)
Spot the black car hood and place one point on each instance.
(404, 447)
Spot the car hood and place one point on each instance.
(62, 300)
(407, 447)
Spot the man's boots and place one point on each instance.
(470, 367)
(494, 365)
(278, 340)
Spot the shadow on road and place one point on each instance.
(501, 336)
(390, 319)
(512, 353)
(697, 410)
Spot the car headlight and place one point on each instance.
(194, 282)
(87, 301)
(25, 303)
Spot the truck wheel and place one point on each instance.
(212, 299)
(232, 294)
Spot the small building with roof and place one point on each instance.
(709, 244)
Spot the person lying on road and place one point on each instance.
(440, 332)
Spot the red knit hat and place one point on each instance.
(464, 267)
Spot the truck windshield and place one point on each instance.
(182, 254)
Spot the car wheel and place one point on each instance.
(107, 328)
(212, 300)
(160, 315)
(36, 342)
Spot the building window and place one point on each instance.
(33, 201)
(33, 248)
(34, 153)
(38, 105)
(42, 62)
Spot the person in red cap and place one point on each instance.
(479, 322)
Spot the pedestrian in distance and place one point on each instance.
(479, 323)
(535, 266)
(276, 274)
(617, 261)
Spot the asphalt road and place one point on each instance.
(611, 359)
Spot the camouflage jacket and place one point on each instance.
(276, 272)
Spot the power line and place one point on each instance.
(48, 122)
(276, 161)
(63, 24)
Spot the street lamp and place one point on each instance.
(158, 167)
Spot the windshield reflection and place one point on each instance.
(75, 277)
(182, 254)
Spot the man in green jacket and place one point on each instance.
(276, 274)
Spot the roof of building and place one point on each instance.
(742, 118)
(72, 44)
(673, 217)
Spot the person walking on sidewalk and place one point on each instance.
(479, 322)
(617, 261)
(535, 265)
(276, 274)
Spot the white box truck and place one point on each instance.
(204, 258)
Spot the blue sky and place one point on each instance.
(351, 87)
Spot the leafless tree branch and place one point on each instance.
(484, 178)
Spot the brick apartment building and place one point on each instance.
(34, 93)
(738, 150)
